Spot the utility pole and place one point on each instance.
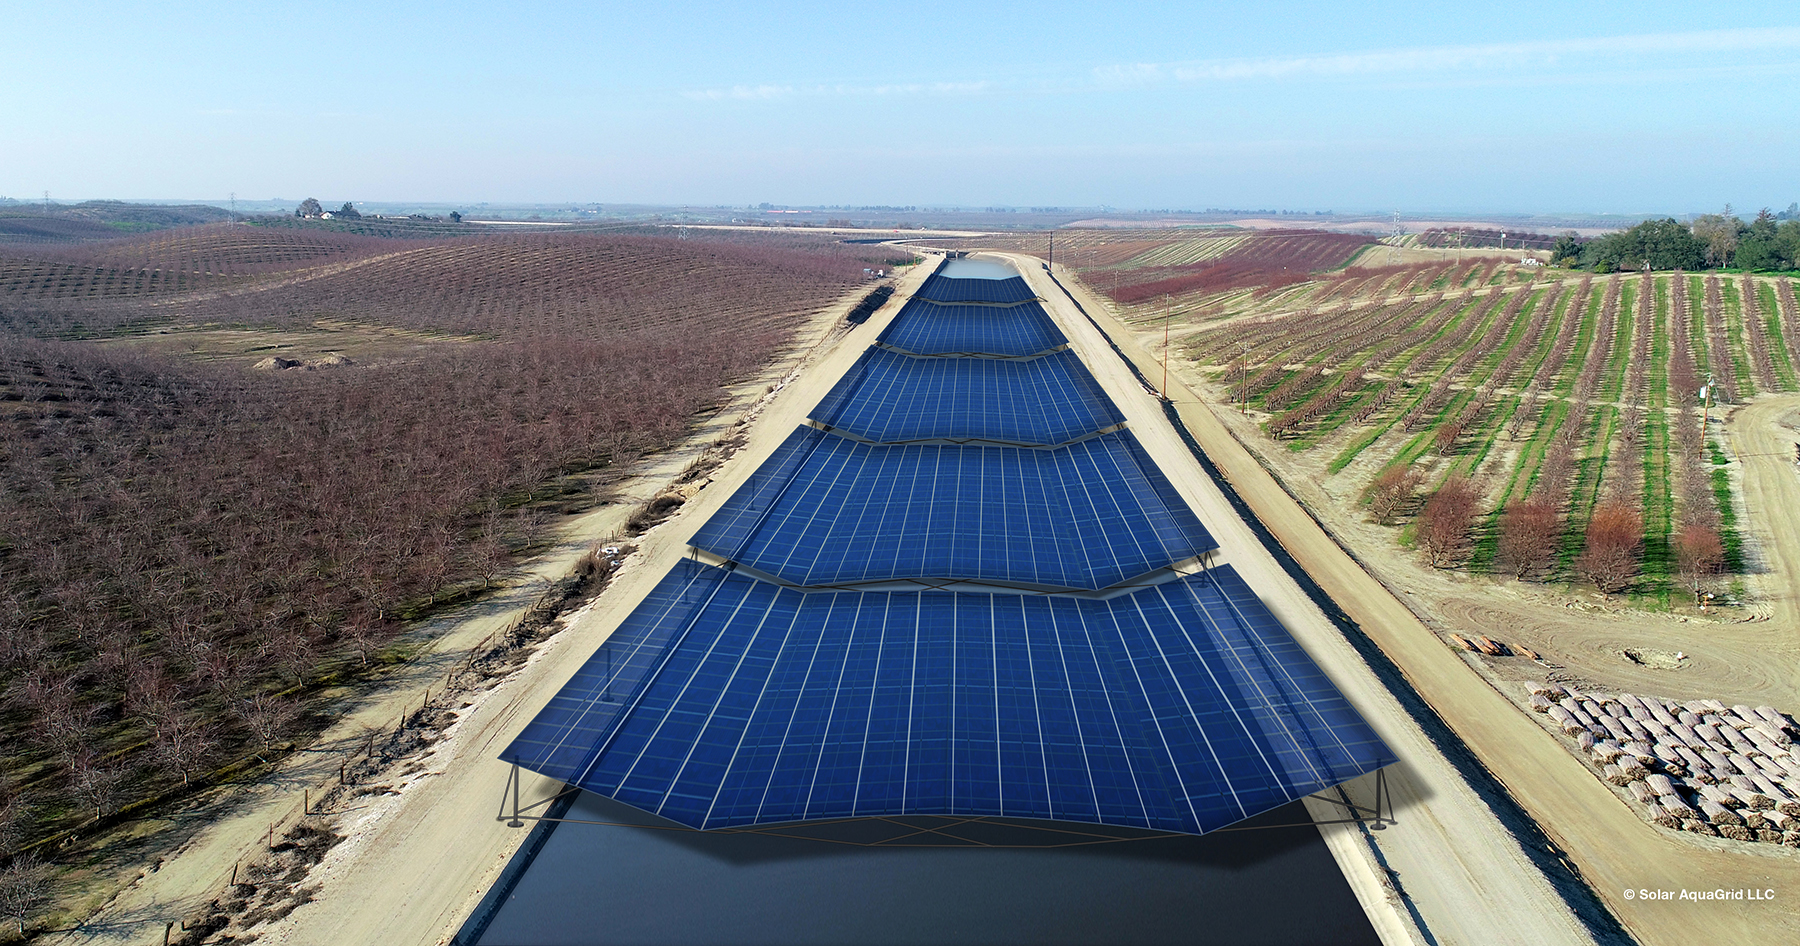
(1053, 248)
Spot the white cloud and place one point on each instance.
(1656, 51)
(1535, 54)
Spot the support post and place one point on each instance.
(515, 822)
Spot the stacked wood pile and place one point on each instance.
(1699, 766)
(1482, 644)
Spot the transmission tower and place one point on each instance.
(1398, 233)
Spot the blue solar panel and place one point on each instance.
(1181, 707)
(926, 328)
(950, 289)
(1059, 670)
(1088, 515)
(889, 398)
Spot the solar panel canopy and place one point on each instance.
(963, 589)
(726, 701)
(889, 397)
(1022, 330)
(940, 288)
(1088, 515)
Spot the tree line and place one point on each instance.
(1770, 242)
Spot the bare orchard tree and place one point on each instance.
(182, 741)
(24, 887)
(1615, 540)
(1528, 534)
(1447, 521)
(15, 812)
(96, 780)
(1392, 492)
(1698, 556)
(266, 715)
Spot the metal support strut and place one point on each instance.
(515, 822)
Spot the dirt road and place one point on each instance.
(1763, 436)
(1614, 849)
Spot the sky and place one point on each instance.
(1593, 107)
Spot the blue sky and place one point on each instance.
(1599, 107)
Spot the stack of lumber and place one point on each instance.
(1482, 644)
(1699, 765)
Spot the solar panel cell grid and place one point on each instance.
(926, 328)
(1168, 708)
(726, 699)
(951, 289)
(890, 397)
(1085, 516)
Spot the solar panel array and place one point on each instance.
(894, 398)
(1080, 669)
(941, 288)
(1013, 331)
(727, 701)
(1088, 515)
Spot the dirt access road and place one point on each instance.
(1763, 436)
(415, 862)
(1613, 848)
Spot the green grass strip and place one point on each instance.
(1778, 349)
(1699, 337)
(1403, 360)
(1659, 492)
(1736, 338)
(1728, 530)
